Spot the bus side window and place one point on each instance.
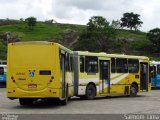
(67, 65)
(60, 58)
(91, 64)
(152, 70)
(81, 63)
(1, 71)
(71, 62)
(133, 66)
(121, 65)
(4, 63)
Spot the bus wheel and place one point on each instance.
(82, 97)
(133, 90)
(90, 92)
(23, 101)
(65, 101)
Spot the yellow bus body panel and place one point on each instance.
(25, 64)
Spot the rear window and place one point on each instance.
(45, 72)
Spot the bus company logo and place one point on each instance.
(31, 74)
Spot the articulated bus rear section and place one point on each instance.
(39, 70)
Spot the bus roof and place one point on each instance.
(40, 42)
(155, 62)
(103, 54)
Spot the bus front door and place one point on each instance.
(144, 77)
(104, 76)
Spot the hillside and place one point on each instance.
(66, 34)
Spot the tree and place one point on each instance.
(3, 51)
(116, 24)
(97, 23)
(154, 36)
(31, 21)
(131, 20)
(98, 35)
(21, 19)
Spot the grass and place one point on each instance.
(132, 35)
(53, 32)
(41, 31)
(3, 51)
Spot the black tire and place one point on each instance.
(65, 101)
(133, 90)
(83, 97)
(23, 101)
(50, 101)
(90, 92)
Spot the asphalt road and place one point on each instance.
(144, 103)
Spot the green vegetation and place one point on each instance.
(41, 32)
(99, 36)
(154, 37)
(76, 37)
(31, 21)
(3, 51)
(128, 34)
(131, 20)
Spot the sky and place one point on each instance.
(80, 11)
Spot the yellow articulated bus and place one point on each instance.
(39, 70)
(101, 74)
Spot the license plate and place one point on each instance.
(32, 85)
